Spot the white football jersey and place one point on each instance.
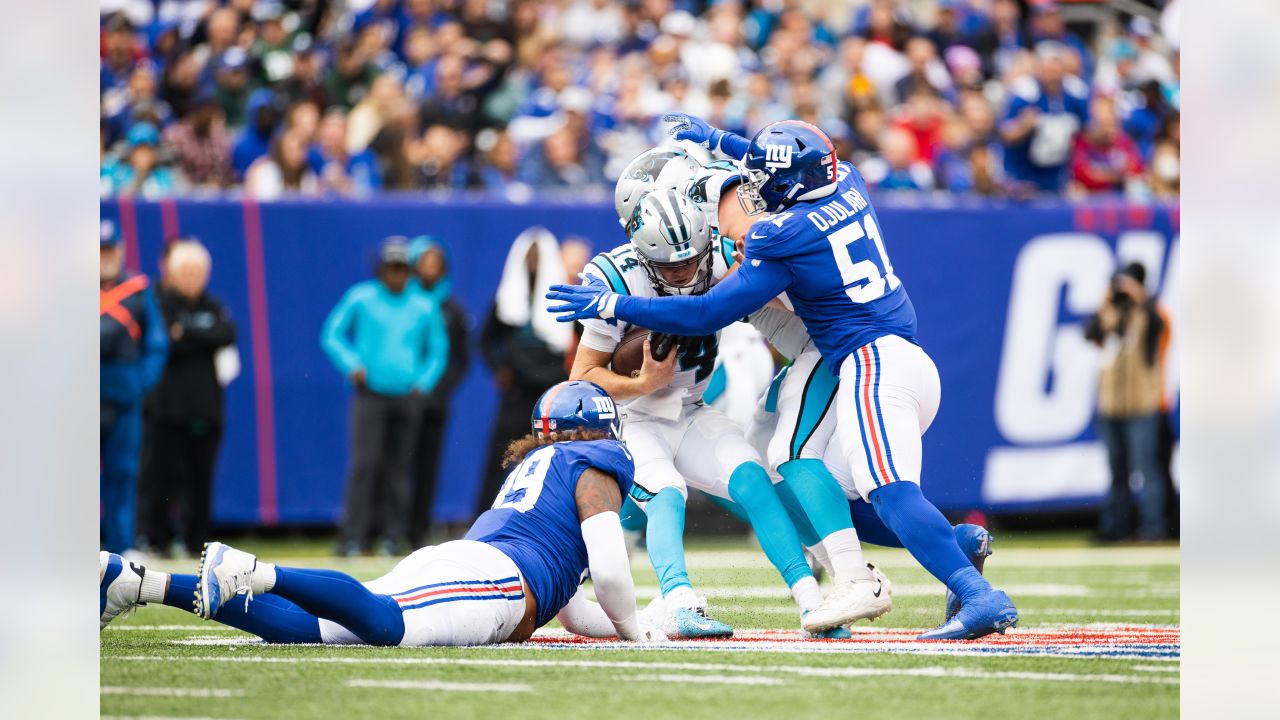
(620, 269)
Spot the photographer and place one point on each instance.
(1130, 329)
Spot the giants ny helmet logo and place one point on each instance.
(777, 156)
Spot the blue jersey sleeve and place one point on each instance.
(611, 457)
(738, 295)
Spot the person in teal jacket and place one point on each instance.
(390, 342)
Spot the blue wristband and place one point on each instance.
(734, 146)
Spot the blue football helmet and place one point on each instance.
(787, 162)
(576, 405)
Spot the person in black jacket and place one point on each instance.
(430, 260)
(522, 344)
(186, 417)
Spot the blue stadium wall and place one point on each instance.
(1002, 291)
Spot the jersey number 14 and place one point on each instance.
(868, 279)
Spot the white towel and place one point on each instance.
(520, 305)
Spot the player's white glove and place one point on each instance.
(649, 632)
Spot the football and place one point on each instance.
(628, 357)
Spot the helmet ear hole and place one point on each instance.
(800, 144)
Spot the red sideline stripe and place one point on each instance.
(255, 267)
(864, 357)
(129, 228)
(1084, 219)
(463, 589)
(169, 219)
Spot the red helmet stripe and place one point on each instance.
(546, 406)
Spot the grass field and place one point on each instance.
(1098, 639)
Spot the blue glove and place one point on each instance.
(692, 128)
(695, 129)
(592, 299)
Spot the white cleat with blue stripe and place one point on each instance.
(119, 585)
(225, 572)
(849, 602)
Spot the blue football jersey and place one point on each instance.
(534, 519)
(842, 283)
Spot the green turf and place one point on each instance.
(1062, 582)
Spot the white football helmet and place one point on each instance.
(673, 243)
(666, 167)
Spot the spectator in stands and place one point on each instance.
(1129, 326)
(201, 146)
(897, 167)
(925, 72)
(1047, 24)
(1104, 159)
(1164, 178)
(437, 159)
(338, 171)
(522, 344)
(390, 342)
(138, 102)
(376, 109)
(282, 172)
(303, 118)
(231, 84)
(430, 260)
(254, 140)
(139, 172)
(185, 423)
(1044, 116)
(350, 75)
(1002, 39)
(132, 345)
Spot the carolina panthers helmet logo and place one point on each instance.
(777, 156)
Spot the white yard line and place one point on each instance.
(922, 590)
(169, 691)
(439, 685)
(202, 627)
(1158, 668)
(887, 558)
(156, 717)
(803, 671)
(713, 679)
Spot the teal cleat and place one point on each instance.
(693, 623)
(975, 541)
(990, 612)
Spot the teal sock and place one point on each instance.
(818, 494)
(804, 529)
(664, 537)
(750, 487)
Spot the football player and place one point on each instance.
(678, 441)
(823, 247)
(521, 564)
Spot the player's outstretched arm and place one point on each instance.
(733, 298)
(599, 499)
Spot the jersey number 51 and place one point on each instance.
(870, 277)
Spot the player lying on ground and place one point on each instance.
(520, 565)
(824, 249)
(677, 440)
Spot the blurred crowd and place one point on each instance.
(325, 97)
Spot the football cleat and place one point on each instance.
(975, 541)
(119, 586)
(693, 623)
(838, 632)
(990, 612)
(224, 573)
(849, 602)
